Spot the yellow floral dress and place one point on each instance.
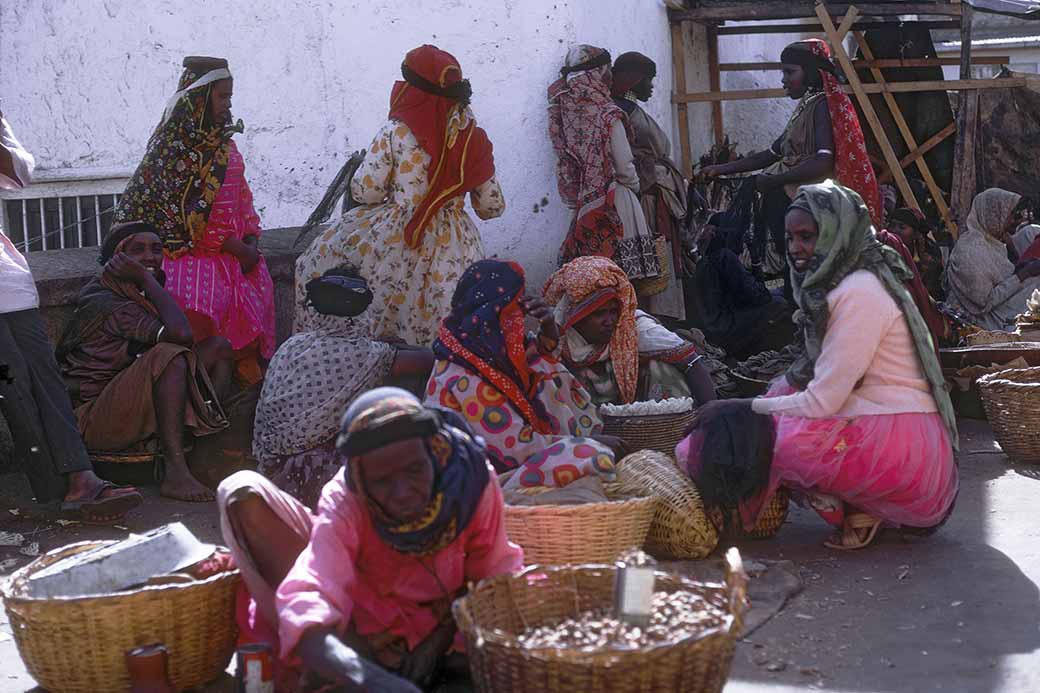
(412, 287)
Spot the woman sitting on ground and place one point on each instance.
(620, 354)
(129, 360)
(531, 411)
(862, 424)
(414, 516)
(313, 378)
(981, 282)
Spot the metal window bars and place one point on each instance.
(59, 222)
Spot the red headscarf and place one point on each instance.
(852, 165)
(432, 101)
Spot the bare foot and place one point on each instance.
(183, 486)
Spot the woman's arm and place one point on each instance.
(176, 329)
(698, 379)
(371, 182)
(751, 162)
(621, 155)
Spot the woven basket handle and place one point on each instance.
(736, 581)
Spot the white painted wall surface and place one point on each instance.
(84, 83)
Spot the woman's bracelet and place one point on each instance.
(691, 364)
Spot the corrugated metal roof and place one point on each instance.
(1026, 9)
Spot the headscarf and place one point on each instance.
(433, 101)
(184, 163)
(581, 114)
(910, 217)
(990, 211)
(581, 287)
(460, 471)
(852, 167)
(846, 243)
(484, 333)
(630, 69)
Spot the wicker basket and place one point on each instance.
(499, 609)
(660, 432)
(769, 522)
(78, 643)
(658, 284)
(680, 529)
(1012, 402)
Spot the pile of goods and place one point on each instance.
(767, 364)
(672, 405)
(674, 616)
(1028, 324)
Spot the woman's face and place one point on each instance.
(147, 250)
(220, 101)
(802, 235)
(793, 80)
(598, 327)
(399, 478)
(905, 232)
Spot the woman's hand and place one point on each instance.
(549, 331)
(122, 266)
(714, 171)
(246, 252)
(420, 664)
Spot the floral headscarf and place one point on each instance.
(581, 287)
(183, 168)
(990, 211)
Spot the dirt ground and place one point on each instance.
(958, 611)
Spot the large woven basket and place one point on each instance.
(680, 529)
(499, 609)
(660, 432)
(1012, 402)
(769, 522)
(79, 643)
(658, 284)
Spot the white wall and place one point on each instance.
(84, 83)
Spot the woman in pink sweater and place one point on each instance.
(861, 424)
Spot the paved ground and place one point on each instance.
(956, 612)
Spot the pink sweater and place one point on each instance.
(868, 365)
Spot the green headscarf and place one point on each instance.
(847, 243)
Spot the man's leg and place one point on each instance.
(171, 395)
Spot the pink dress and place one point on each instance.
(348, 575)
(210, 285)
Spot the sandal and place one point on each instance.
(858, 531)
(109, 505)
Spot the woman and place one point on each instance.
(315, 375)
(662, 189)
(412, 230)
(191, 187)
(863, 424)
(620, 354)
(595, 169)
(129, 359)
(532, 413)
(823, 139)
(414, 517)
(980, 280)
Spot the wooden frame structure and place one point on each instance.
(952, 14)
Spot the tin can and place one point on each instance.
(254, 670)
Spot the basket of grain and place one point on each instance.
(650, 425)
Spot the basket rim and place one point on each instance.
(672, 415)
(999, 377)
(7, 587)
(574, 507)
(576, 655)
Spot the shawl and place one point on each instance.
(852, 167)
(629, 70)
(184, 164)
(484, 333)
(581, 114)
(847, 243)
(915, 285)
(581, 287)
(432, 101)
(460, 470)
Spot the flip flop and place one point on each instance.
(109, 505)
(851, 539)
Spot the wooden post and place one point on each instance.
(715, 82)
(679, 68)
(964, 175)
(966, 16)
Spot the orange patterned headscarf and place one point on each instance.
(586, 284)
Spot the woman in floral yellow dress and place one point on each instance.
(411, 233)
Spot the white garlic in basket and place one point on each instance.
(672, 405)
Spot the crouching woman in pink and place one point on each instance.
(413, 517)
(863, 426)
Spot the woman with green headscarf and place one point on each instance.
(863, 425)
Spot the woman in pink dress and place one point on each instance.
(191, 186)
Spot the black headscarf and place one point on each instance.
(800, 54)
(119, 233)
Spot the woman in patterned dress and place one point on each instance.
(191, 187)
(411, 230)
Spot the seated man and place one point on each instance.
(33, 399)
(313, 378)
(129, 361)
(413, 516)
(620, 354)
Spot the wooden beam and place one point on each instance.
(715, 82)
(783, 9)
(929, 144)
(907, 133)
(679, 70)
(892, 88)
(883, 63)
(817, 28)
(964, 174)
(838, 50)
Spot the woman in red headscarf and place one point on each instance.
(412, 231)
